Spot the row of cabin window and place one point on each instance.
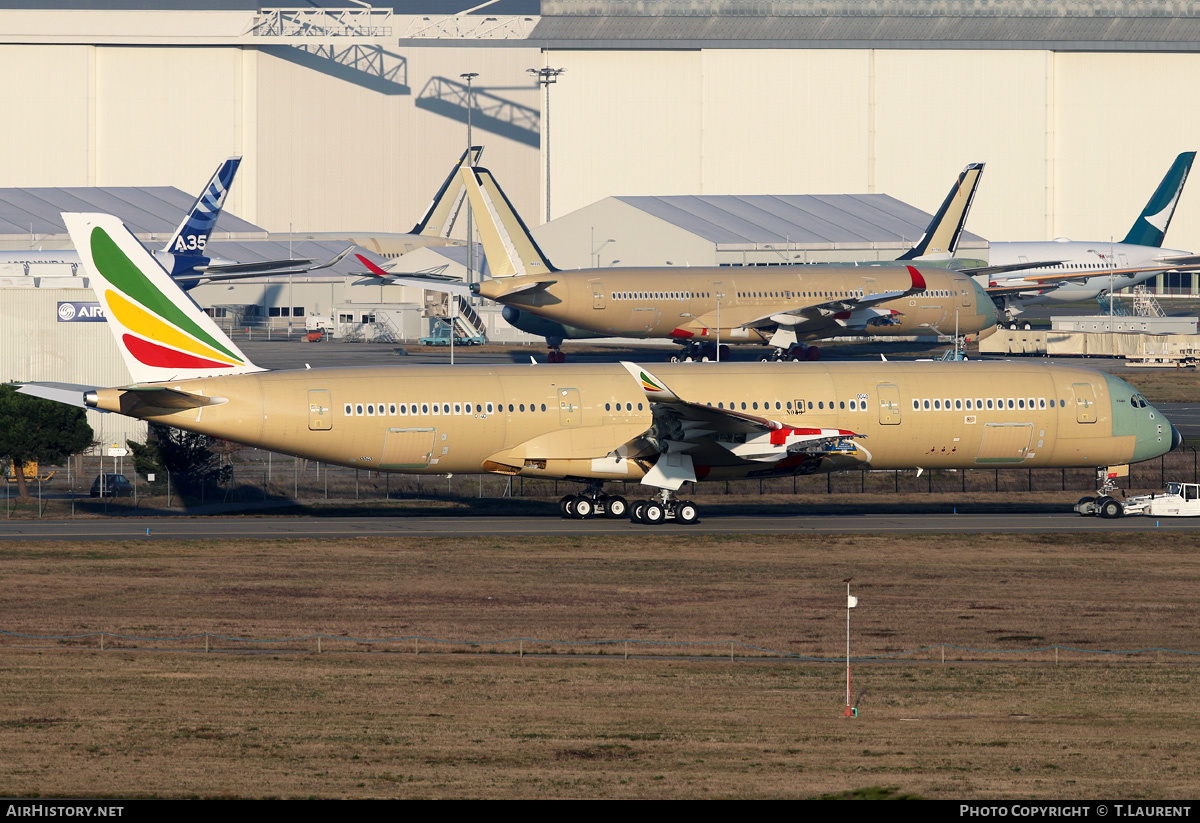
(979, 404)
(834, 294)
(799, 406)
(687, 295)
(658, 295)
(415, 409)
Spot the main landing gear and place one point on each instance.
(555, 355)
(593, 503)
(795, 352)
(693, 351)
(655, 511)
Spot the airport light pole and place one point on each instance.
(596, 251)
(546, 77)
(469, 76)
(719, 296)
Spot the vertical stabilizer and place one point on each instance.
(945, 230)
(507, 243)
(161, 333)
(192, 235)
(1151, 226)
(438, 219)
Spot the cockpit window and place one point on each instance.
(1138, 402)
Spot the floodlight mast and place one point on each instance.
(468, 76)
(546, 77)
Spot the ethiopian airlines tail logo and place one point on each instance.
(648, 383)
(159, 332)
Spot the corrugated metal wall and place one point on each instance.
(328, 145)
(53, 351)
(1074, 142)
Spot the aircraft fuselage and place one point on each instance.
(567, 421)
(1080, 257)
(704, 303)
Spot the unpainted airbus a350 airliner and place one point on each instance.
(596, 424)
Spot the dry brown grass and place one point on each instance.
(1165, 385)
(371, 719)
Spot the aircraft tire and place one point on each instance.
(584, 507)
(616, 507)
(1086, 506)
(1111, 509)
(567, 506)
(653, 514)
(636, 511)
(813, 353)
(686, 512)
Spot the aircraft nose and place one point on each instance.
(987, 309)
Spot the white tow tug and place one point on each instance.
(1179, 500)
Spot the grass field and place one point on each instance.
(570, 718)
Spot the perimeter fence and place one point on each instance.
(262, 478)
(624, 648)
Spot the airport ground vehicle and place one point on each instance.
(441, 337)
(30, 470)
(111, 485)
(1179, 500)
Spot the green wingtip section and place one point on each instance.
(124, 275)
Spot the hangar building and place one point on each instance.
(347, 116)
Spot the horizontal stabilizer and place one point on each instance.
(69, 394)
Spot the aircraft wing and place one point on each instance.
(241, 271)
(850, 312)
(261, 266)
(430, 279)
(988, 271)
(1180, 260)
(1042, 283)
(682, 427)
(1017, 288)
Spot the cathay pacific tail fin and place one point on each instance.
(1150, 228)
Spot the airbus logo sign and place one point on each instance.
(80, 313)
